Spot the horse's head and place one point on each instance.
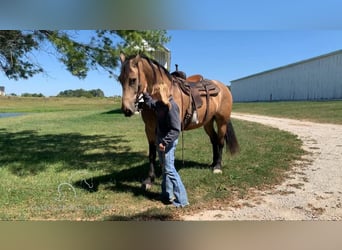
(133, 81)
(138, 74)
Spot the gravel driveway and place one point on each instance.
(313, 190)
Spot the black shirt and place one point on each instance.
(168, 122)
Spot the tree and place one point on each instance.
(96, 93)
(32, 95)
(14, 45)
(81, 93)
(101, 51)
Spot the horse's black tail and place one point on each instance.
(231, 139)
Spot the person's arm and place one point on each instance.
(175, 126)
(149, 101)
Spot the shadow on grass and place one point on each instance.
(116, 180)
(28, 153)
(190, 164)
(114, 111)
(153, 214)
(124, 180)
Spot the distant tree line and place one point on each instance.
(81, 93)
(30, 95)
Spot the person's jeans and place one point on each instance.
(172, 186)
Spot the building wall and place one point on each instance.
(313, 79)
(2, 91)
(162, 56)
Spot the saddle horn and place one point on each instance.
(179, 74)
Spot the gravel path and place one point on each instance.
(313, 190)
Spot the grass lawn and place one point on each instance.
(81, 159)
(316, 111)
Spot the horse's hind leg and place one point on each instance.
(217, 142)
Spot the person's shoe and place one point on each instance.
(176, 204)
(167, 201)
(172, 199)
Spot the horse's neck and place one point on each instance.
(161, 79)
(156, 75)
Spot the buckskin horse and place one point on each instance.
(201, 103)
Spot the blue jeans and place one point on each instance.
(172, 186)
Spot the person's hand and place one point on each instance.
(161, 147)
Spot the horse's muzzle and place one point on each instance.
(129, 107)
(127, 112)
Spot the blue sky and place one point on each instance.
(224, 55)
(175, 14)
(220, 39)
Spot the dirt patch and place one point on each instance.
(313, 188)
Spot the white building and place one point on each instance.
(2, 91)
(318, 78)
(161, 55)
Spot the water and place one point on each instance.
(5, 115)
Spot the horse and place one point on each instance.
(140, 73)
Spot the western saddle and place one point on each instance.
(195, 87)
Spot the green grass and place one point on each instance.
(81, 159)
(53, 104)
(316, 111)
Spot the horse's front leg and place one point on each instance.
(147, 183)
(150, 131)
(218, 145)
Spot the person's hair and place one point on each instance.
(162, 93)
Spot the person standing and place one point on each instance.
(168, 129)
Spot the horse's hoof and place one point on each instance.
(217, 171)
(146, 186)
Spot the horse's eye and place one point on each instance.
(132, 81)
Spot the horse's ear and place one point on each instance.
(122, 57)
(136, 60)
